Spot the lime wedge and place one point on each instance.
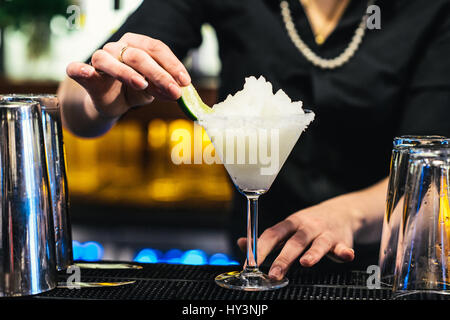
(191, 103)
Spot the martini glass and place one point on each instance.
(253, 150)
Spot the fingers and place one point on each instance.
(79, 70)
(86, 76)
(161, 53)
(105, 62)
(99, 84)
(145, 65)
(320, 247)
(292, 249)
(242, 243)
(273, 236)
(314, 228)
(342, 253)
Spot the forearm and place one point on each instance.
(78, 113)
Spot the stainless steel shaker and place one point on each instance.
(56, 164)
(27, 248)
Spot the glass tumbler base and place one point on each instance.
(249, 281)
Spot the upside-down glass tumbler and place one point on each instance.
(402, 148)
(422, 267)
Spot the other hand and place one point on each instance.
(128, 73)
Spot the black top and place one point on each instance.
(397, 83)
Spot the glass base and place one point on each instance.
(246, 280)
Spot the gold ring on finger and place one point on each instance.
(121, 53)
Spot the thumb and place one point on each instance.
(242, 243)
(86, 75)
(79, 70)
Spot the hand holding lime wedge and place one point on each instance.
(191, 103)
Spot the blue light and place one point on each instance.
(147, 256)
(87, 251)
(194, 257)
(173, 256)
(93, 251)
(77, 250)
(218, 259)
(176, 256)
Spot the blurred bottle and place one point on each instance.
(120, 154)
(82, 164)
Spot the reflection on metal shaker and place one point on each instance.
(56, 164)
(27, 247)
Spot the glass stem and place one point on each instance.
(252, 232)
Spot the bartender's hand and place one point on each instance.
(129, 73)
(327, 227)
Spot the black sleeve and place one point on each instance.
(177, 23)
(427, 107)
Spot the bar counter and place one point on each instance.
(189, 282)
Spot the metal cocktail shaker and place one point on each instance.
(56, 164)
(27, 248)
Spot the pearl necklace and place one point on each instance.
(323, 63)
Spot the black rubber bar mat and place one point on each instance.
(186, 282)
